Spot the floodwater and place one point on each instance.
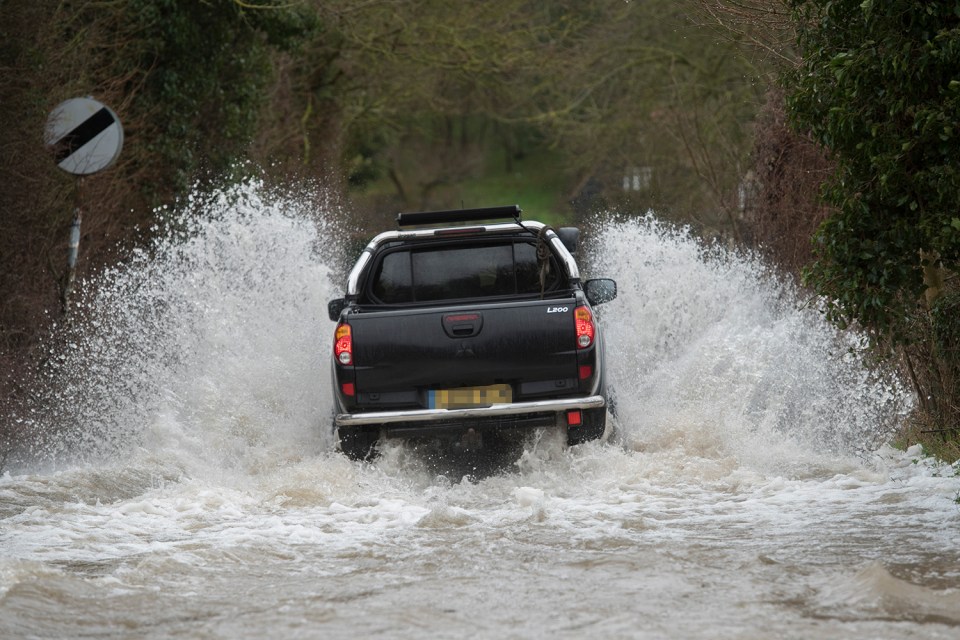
(178, 477)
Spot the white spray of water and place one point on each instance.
(208, 346)
(712, 351)
(209, 351)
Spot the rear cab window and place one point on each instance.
(428, 272)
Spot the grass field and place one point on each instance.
(535, 182)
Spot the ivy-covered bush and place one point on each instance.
(879, 87)
(206, 68)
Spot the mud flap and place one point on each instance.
(359, 443)
(593, 427)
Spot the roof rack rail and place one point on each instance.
(511, 212)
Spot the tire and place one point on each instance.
(592, 428)
(359, 443)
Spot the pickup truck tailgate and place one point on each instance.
(529, 345)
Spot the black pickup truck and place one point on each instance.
(468, 331)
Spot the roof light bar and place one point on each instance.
(511, 212)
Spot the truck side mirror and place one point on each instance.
(600, 290)
(334, 307)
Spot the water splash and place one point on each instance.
(711, 351)
(208, 351)
(207, 346)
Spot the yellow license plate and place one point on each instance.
(468, 397)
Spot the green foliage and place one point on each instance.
(206, 69)
(945, 322)
(609, 87)
(535, 183)
(879, 86)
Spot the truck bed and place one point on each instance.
(401, 355)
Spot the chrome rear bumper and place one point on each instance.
(431, 415)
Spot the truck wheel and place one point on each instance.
(594, 422)
(359, 443)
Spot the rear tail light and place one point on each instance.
(343, 344)
(586, 330)
(574, 418)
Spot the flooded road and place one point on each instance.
(179, 477)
